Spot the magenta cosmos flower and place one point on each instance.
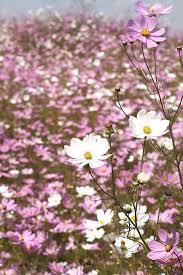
(143, 29)
(154, 10)
(165, 248)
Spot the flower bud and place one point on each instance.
(109, 129)
(179, 48)
(127, 208)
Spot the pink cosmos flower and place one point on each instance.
(154, 10)
(165, 248)
(143, 29)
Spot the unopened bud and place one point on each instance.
(109, 129)
(179, 48)
(127, 208)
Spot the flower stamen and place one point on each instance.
(168, 247)
(147, 130)
(87, 155)
(145, 32)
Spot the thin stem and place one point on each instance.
(120, 107)
(156, 87)
(96, 182)
(143, 154)
(155, 66)
(178, 108)
(112, 168)
(179, 260)
(180, 59)
(116, 199)
(163, 110)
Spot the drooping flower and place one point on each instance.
(154, 10)
(91, 150)
(143, 29)
(165, 248)
(148, 124)
(126, 246)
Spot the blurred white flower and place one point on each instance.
(85, 191)
(91, 235)
(126, 246)
(91, 150)
(148, 124)
(4, 191)
(54, 200)
(143, 177)
(166, 143)
(93, 272)
(103, 218)
(138, 216)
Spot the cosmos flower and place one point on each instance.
(103, 218)
(138, 216)
(54, 200)
(148, 124)
(143, 177)
(165, 248)
(127, 247)
(93, 234)
(91, 150)
(154, 10)
(85, 191)
(143, 29)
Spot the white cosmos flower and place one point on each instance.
(143, 177)
(148, 124)
(54, 200)
(4, 191)
(166, 143)
(91, 150)
(91, 235)
(103, 218)
(138, 216)
(126, 246)
(85, 191)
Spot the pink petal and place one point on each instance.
(162, 234)
(141, 8)
(159, 32)
(151, 23)
(151, 43)
(158, 39)
(154, 255)
(156, 246)
(167, 10)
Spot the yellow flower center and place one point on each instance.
(123, 244)
(168, 247)
(88, 155)
(145, 32)
(103, 169)
(133, 218)
(147, 130)
(101, 222)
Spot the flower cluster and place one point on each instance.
(59, 108)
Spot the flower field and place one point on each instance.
(90, 146)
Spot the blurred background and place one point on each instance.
(114, 8)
